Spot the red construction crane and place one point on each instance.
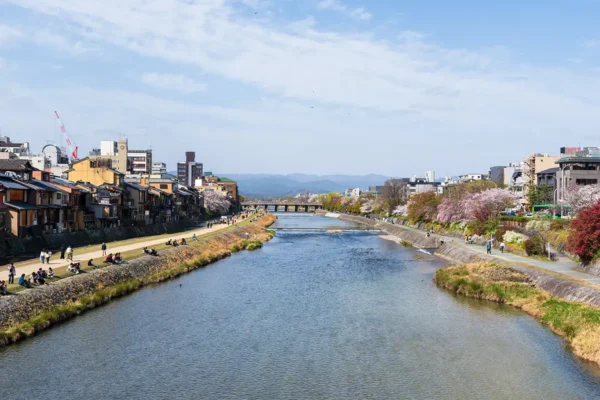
(70, 145)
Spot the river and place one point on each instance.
(309, 316)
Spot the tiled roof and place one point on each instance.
(136, 186)
(16, 164)
(11, 184)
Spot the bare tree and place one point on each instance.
(395, 193)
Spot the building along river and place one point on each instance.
(309, 316)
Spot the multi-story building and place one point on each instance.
(9, 147)
(159, 168)
(497, 174)
(115, 151)
(532, 165)
(473, 177)
(139, 162)
(579, 169)
(189, 170)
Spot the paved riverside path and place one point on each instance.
(83, 258)
(563, 266)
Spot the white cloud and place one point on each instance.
(403, 92)
(47, 38)
(179, 83)
(336, 5)
(590, 44)
(8, 35)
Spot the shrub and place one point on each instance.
(535, 246)
(584, 240)
(536, 225)
(514, 237)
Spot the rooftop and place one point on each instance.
(16, 164)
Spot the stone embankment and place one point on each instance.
(557, 286)
(38, 308)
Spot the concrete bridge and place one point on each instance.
(278, 206)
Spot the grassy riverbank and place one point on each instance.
(171, 264)
(579, 324)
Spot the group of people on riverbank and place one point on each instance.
(175, 243)
(114, 259)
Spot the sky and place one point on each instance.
(315, 86)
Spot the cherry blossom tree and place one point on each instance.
(401, 210)
(485, 205)
(580, 197)
(216, 202)
(481, 206)
(367, 207)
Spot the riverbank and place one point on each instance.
(37, 309)
(577, 323)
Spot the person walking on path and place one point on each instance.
(502, 247)
(62, 252)
(69, 253)
(43, 256)
(48, 255)
(103, 249)
(488, 246)
(11, 273)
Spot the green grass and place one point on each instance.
(62, 273)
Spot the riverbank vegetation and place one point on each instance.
(170, 264)
(579, 324)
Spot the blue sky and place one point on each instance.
(318, 86)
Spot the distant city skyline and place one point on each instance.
(316, 87)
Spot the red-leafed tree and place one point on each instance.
(584, 239)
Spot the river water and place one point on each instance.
(309, 316)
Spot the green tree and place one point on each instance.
(542, 194)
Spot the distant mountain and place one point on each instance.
(264, 185)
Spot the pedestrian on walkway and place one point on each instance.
(69, 253)
(43, 256)
(48, 255)
(11, 273)
(488, 246)
(62, 252)
(502, 247)
(103, 248)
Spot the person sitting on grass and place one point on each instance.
(23, 281)
(109, 259)
(91, 263)
(42, 274)
(168, 242)
(118, 258)
(50, 273)
(74, 268)
(33, 278)
(41, 280)
(3, 288)
(194, 238)
(183, 242)
(154, 253)
(175, 244)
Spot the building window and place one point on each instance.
(583, 182)
(58, 196)
(164, 186)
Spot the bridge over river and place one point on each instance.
(279, 206)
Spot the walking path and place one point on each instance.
(563, 266)
(55, 262)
